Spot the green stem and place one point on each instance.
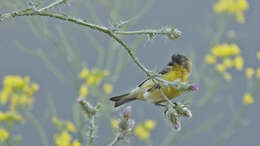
(9, 129)
(91, 134)
(115, 141)
(161, 31)
(32, 12)
(38, 127)
(231, 127)
(52, 5)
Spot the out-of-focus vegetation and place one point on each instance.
(224, 59)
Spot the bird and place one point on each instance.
(179, 68)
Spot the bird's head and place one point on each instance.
(179, 60)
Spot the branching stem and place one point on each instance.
(43, 12)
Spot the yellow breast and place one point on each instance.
(155, 96)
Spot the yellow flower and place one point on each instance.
(149, 124)
(83, 91)
(220, 68)
(115, 123)
(108, 88)
(63, 139)
(210, 59)
(141, 132)
(12, 81)
(91, 80)
(234, 7)
(239, 62)
(70, 126)
(242, 4)
(227, 76)
(57, 122)
(3, 135)
(249, 72)
(84, 73)
(35, 87)
(93, 77)
(105, 72)
(258, 55)
(225, 50)
(10, 117)
(18, 91)
(2, 116)
(240, 17)
(4, 95)
(76, 143)
(258, 73)
(20, 100)
(227, 62)
(248, 98)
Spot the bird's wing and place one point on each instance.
(140, 84)
(162, 72)
(165, 70)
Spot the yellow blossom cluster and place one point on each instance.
(64, 138)
(64, 135)
(3, 134)
(258, 73)
(17, 91)
(63, 124)
(10, 117)
(93, 77)
(114, 123)
(225, 50)
(248, 98)
(225, 56)
(233, 7)
(250, 72)
(258, 55)
(143, 130)
(108, 88)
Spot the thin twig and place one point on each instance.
(42, 12)
(116, 139)
(39, 127)
(166, 98)
(162, 31)
(52, 5)
(32, 12)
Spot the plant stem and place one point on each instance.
(116, 139)
(39, 128)
(161, 31)
(91, 134)
(166, 98)
(112, 34)
(54, 4)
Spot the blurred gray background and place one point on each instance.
(197, 22)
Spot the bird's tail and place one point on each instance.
(122, 99)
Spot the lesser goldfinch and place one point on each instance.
(178, 68)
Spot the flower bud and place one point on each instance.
(187, 113)
(123, 124)
(177, 126)
(80, 99)
(195, 87)
(131, 124)
(127, 112)
(173, 33)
